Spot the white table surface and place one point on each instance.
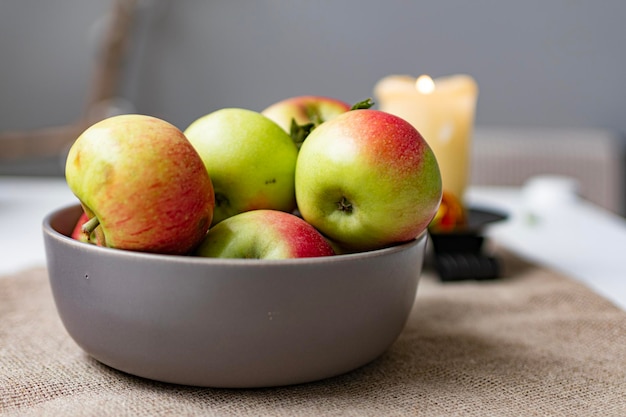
(562, 231)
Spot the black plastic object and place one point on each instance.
(458, 254)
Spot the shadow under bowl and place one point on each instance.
(229, 323)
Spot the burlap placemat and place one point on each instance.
(532, 343)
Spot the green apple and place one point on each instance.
(142, 184)
(264, 234)
(367, 179)
(301, 114)
(250, 159)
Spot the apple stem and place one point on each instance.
(363, 104)
(90, 225)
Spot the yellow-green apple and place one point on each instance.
(143, 183)
(367, 179)
(264, 234)
(301, 114)
(250, 159)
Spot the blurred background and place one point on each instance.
(551, 73)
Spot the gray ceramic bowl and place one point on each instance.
(229, 323)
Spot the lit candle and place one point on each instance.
(442, 110)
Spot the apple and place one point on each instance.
(264, 234)
(143, 183)
(305, 109)
(367, 179)
(301, 114)
(249, 158)
(79, 234)
(450, 215)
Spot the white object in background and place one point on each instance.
(24, 202)
(549, 192)
(565, 233)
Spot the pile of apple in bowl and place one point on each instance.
(252, 249)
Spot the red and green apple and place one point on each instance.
(264, 234)
(142, 185)
(367, 179)
(82, 235)
(300, 114)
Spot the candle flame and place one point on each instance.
(425, 84)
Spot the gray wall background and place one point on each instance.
(554, 63)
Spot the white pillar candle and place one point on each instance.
(442, 110)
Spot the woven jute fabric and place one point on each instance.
(533, 343)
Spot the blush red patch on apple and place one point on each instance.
(232, 152)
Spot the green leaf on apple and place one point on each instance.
(299, 132)
(363, 104)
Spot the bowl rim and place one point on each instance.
(198, 260)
